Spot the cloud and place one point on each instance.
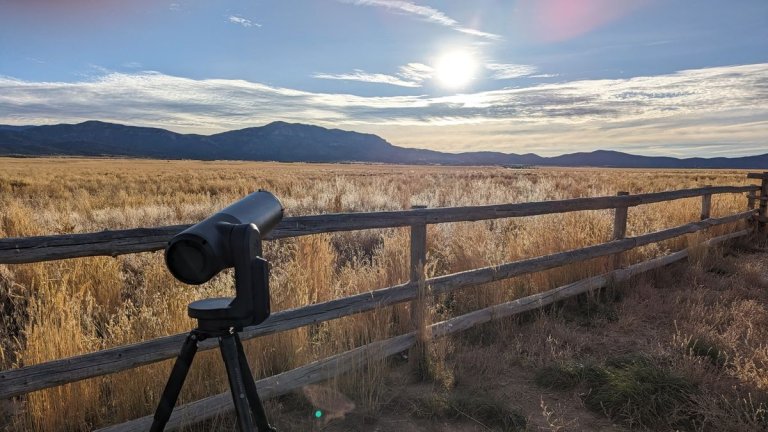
(426, 13)
(245, 22)
(410, 75)
(502, 71)
(416, 72)
(359, 75)
(691, 112)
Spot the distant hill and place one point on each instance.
(295, 142)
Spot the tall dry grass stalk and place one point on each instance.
(59, 309)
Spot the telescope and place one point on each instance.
(201, 251)
(230, 238)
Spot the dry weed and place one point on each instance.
(60, 309)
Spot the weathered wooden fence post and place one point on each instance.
(751, 198)
(619, 230)
(762, 214)
(706, 205)
(419, 316)
(762, 221)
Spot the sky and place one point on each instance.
(655, 77)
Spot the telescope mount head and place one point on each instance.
(250, 306)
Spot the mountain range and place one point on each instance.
(295, 142)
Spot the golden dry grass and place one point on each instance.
(59, 309)
(703, 322)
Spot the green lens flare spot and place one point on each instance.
(318, 414)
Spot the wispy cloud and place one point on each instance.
(425, 13)
(377, 78)
(416, 72)
(695, 112)
(502, 71)
(410, 75)
(245, 22)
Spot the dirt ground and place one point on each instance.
(722, 296)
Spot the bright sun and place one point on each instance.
(455, 69)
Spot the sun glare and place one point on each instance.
(455, 69)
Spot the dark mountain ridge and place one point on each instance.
(296, 142)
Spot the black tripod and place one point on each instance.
(224, 318)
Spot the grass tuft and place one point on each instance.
(703, 347)
(631, 389)
(636, 392)
(562, 376)
(482, 408)
(489, 411)
(100, 302)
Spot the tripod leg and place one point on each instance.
(174, 384)
(250, 388)
(236, 385)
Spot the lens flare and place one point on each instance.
(561, 20)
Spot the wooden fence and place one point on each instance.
(19, 381)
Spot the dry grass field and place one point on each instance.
(59, 309)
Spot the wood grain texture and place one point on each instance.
(418, 353)
(113, 243)
(277, 385)
(762, 220)
(321, 370)
(620, 220)
(418, 248)
(23, 380)
(706, 206)
(442, 284)
(619, 230)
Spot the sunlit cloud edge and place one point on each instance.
(700, 107)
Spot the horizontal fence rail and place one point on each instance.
(16, 382)
(112, 243)
(322, 370)
(23, 380)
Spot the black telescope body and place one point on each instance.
(201, 251)
(229, 238)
